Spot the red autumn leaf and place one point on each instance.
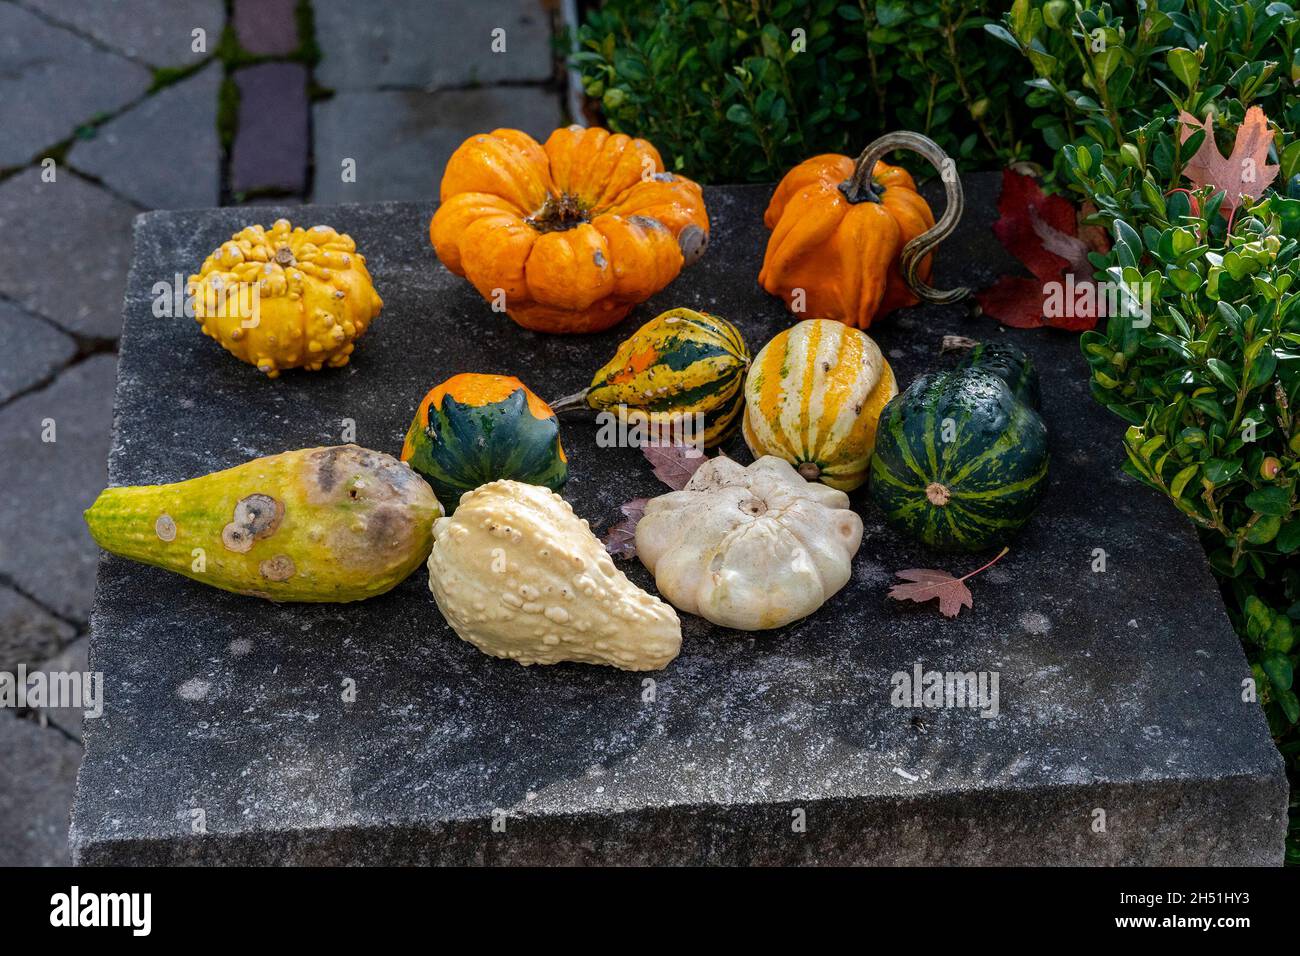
(1014, 301)
(1245, 172)
(1024, 212)
(620, 539)
(926, 584)
(1043, 232)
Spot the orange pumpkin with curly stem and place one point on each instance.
(571, 234)
(851, 240)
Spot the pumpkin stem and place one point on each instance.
(576, 402)
(937, 494)
(861, 188)
(558, 214)
(809, 471)
(916, 251)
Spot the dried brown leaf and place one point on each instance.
(926, 584)
(674, 464)
(1245, 172)
(620, 539)
(952, 593)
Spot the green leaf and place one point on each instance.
(1181, 479)
(1262, 369)
(1184, 280)
(1104, 63)
(1281, 635)
(1210, 407)
(1220, 370)
(739, 115)
(1259, 619)
(1219, 470)
(1289, 703)
(1264, 530)
(1270, 501)
(1019, 18)
(1288, 539)
(1002, 33)
(1183, 64)
(892, 13)
(1278, 668)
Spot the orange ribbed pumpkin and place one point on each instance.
(571, 234)
(851, 238)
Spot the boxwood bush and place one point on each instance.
(741, 90)
(1209, 380)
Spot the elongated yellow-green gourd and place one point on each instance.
(320, 524)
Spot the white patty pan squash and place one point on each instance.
(750, 548)
(517, 574)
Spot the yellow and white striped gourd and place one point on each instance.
(814, 396)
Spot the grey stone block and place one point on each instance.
(46, 549)
(272, 143)
(1119, 691)
(38, 772)
(160, 34)
(401, 141)
(51, 81)
(28, 633)
(34, 350)
(71, 265)
(428, 44)
(163, 153)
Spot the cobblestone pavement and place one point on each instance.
(111, 109)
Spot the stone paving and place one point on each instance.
(112, 109)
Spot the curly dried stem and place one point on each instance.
(861, 188)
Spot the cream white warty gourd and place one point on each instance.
(517, 574)
(750, 548)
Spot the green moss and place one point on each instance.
(228, 112)
(308, 52)
(165, 76)
(230, 52)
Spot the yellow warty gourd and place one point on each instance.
(286, 297)
(517, 574)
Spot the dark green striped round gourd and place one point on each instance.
(960, 462)
(1009, 363)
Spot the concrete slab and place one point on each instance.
(1120, 690)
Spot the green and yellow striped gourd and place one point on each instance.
(680, 364)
